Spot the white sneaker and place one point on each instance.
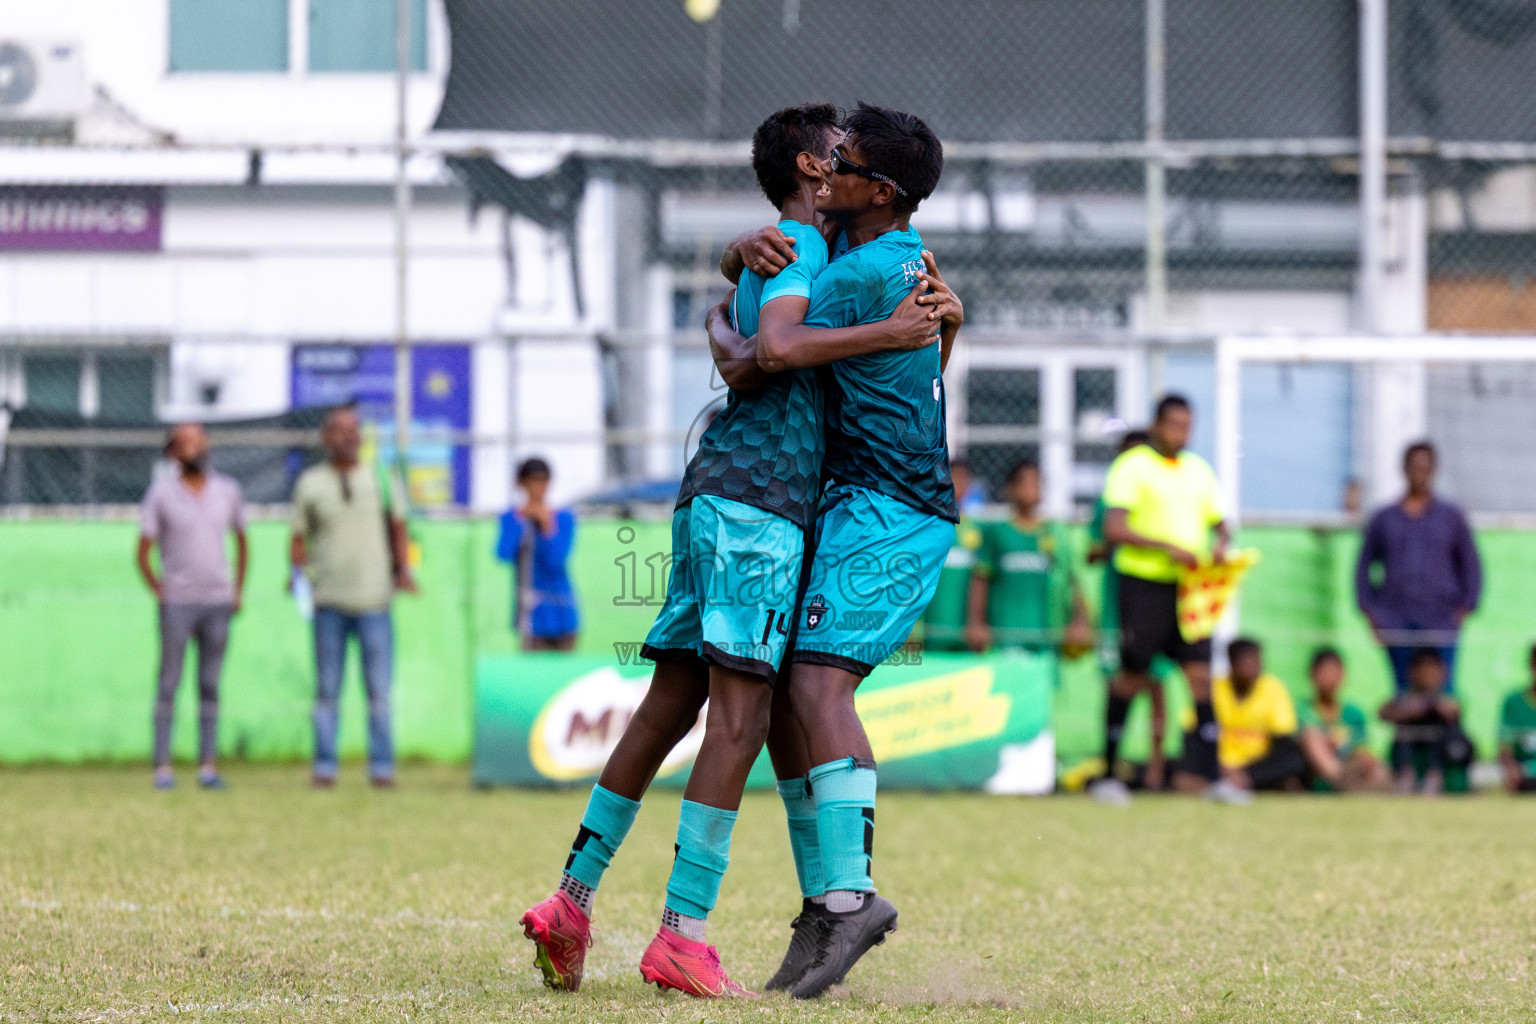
(1110, 792)
(1223, 792)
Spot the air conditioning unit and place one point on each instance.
(42, 81)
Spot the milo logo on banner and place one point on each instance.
(576, 731)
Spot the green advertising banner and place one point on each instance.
(941, 722)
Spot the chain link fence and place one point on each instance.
(1063, 141)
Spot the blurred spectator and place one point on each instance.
(944, 619)
(1256, 744)
(1354, 499)
(1023, 591)
(1431, 577)
(166, 467)
(543, 603)
(970, 493)
(188, 515)
(349, 539)
(1517, 736)
(1333, 732)
(1430, 753)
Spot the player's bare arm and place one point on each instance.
(978, 634)
(784, 342)
(909, 326)
(765, 250)
(735, 357)
(942, 298)
(1078, 638)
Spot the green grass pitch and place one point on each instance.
(273, 903)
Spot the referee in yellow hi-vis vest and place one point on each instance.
(1163, 513)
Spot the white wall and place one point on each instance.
(556, 411)
(1251, 312)
(298, 263)
(126, 44)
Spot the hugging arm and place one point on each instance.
(946, 304)
(734, 355)
(784, 342)
(765, 250)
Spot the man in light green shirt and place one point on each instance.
(349, 540)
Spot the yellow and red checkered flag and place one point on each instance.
(1204, 593)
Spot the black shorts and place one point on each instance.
(1149, 626)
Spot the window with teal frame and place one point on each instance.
(229, 35)
(359, 35)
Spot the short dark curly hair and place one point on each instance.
(780, 140)
(901, 146)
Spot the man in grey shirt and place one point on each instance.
(188, 515)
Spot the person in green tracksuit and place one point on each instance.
(1333, 732)
(1517, 737)
(944, 621)
(1023, 590)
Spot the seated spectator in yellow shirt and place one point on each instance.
(1256, 745)
(1333, 733)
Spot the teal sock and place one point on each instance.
(800, 812)
(845, 822)
(603, 827)
(703, 851)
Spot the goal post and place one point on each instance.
(1405, 407)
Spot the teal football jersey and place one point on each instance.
(885, 411)
(765, 447)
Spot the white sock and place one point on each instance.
(820, 900)
(581, 894)
(842, 901)
(687, 927)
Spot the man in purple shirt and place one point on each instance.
(190, 516)
(1430, 577)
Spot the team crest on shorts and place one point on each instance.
(817, 611)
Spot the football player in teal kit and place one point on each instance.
(888, 510)
(748, 497)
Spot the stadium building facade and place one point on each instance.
(197, 212)
(577, 167)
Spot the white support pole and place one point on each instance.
(1057, 434)
(1131, 386)
(403, 411)
(1229, 475)
(1373, 161)
(1229, 427)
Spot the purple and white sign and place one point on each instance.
(96, 218)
